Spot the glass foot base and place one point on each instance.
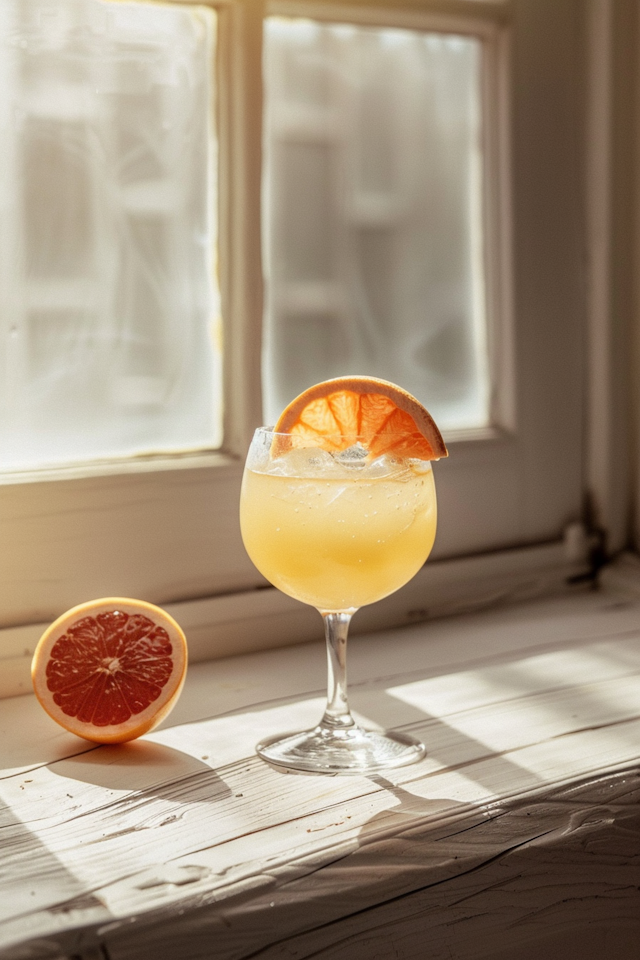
(354, 751)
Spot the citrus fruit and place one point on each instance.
(110, 670)
(384, 418)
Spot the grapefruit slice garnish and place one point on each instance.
(110, 670)
(384, 418)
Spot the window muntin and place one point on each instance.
(167, 529)
(110, 334)
(373, 199)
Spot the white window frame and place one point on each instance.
(165, 528)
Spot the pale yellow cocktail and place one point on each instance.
(339, 543)
(338, 510)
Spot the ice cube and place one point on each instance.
(387, 466)
(354, 454)
(304, 462)
(420, 466)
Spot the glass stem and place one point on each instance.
(337, 715)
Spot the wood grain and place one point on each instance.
(521, 826)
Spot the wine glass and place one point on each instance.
(336, 531)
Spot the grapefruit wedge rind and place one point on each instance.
(338, 413)
(110, 670)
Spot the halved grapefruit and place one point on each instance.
(384, 418)
(110, 670)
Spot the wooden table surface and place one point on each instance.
(517, 836)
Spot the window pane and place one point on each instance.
(373, 213)
(109, 320)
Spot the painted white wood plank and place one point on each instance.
(511, 704)
(495, 878)
(439, 647)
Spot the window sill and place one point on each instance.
(520, 826)
(123, 466)
(263, 618)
